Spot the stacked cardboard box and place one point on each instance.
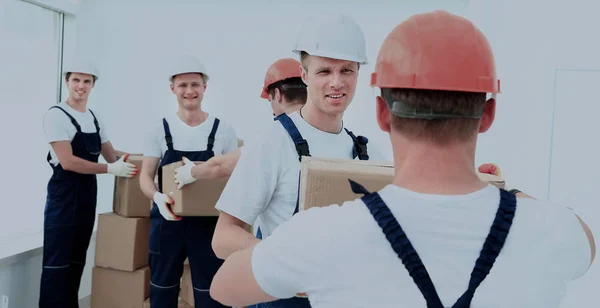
(325, 181)
(121, 276)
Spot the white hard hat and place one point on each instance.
(81, 65)
(187, 64)
(334, 36)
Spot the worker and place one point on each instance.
(265, 181)
(76, 137)
(284, 89)
(425, 240)
(196, 135)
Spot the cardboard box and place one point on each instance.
(187, 289)
(128, 199)
(196, 199)
(180, 304)
(121, 242)
(325, 181)
(119, 289)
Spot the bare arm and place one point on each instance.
(109, 153)
(70, 162)
(235, 285)
(230, 236)
(217, 167)
(147, 185)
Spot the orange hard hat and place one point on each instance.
(436, 51)
(280, 70)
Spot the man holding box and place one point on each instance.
(77, 138)
(264, 183)
(415, 242)
(190, 135)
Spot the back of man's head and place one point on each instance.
(434, 71)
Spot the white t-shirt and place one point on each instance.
(190, 138)
(58, 126)
(340, 256)
(265, 180)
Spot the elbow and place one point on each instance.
(218, 244)
(67, 164)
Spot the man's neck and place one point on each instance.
(79, 105)
(430, 169)
(192, 117)
(292, 108)
(321, 120)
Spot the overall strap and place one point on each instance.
(73, 121)
(95, 121)
(290, 127)
(213, 133)
(360, 146)
(168, 137)
(400, 243)
(492, 246)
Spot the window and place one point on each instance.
(30, 58)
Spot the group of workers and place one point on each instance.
(436, 237)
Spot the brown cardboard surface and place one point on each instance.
(119, 289)
(196, 199)
(128, 199)
(187, 290)
(325, 181)
(121, 242)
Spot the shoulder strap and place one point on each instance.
(168, 137)
(95, 121)
(491, 247)
(290, 127)
(211, 137)
(73, 121)
(411, 260)
(360, 146)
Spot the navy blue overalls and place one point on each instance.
(407, 253)
(69, 218)
(359, 150)
(172, 241)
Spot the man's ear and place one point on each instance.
(383, 115)
(489, 114)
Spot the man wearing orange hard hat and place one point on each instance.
(437, 236)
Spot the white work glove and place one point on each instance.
(122, 168)
(183, 174)
(163, 201)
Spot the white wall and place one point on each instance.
(546, 114)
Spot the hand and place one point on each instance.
(122, 168)
(183, 174)
(163, 201)
(490, 168)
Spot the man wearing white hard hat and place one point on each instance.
(190, 134)
(77, 138)
(265, 180)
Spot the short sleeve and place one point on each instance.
(152, 143)
(292, 260)
(573, 247)
(103, 132)
(55, 126)
(230, 140)
(252, 182)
